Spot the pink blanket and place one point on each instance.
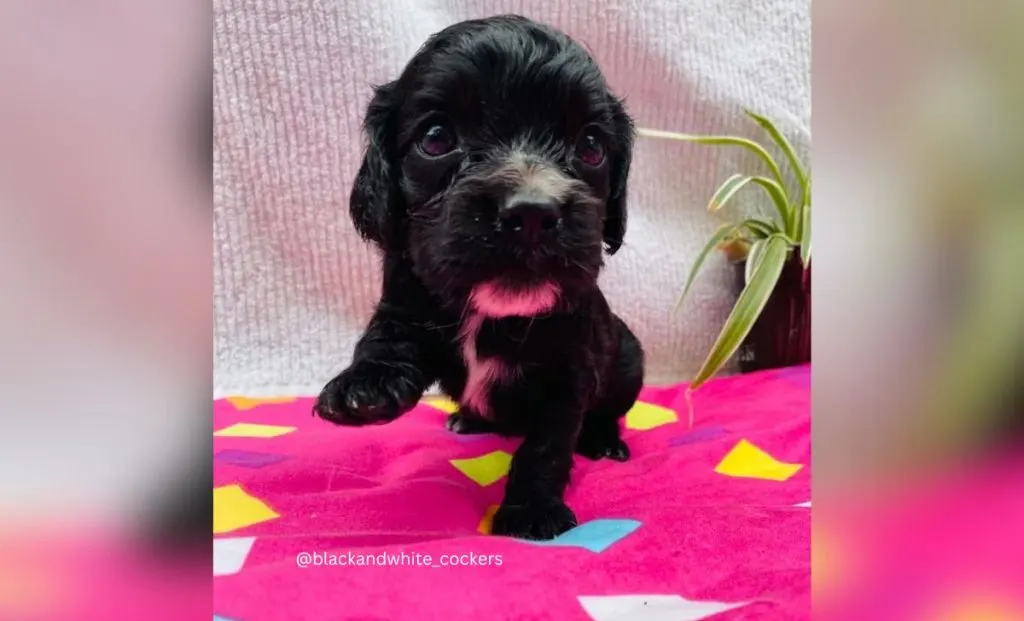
(313, 521)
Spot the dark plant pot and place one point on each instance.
(781, 336)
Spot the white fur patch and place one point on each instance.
(535, 176)
(492, 301)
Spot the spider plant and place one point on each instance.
(766, 242)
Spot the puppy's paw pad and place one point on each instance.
(614, 448)
(618, 452)
(536, 520)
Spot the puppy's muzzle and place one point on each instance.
(530, 217)
(532, 210)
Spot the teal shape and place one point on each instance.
(596, 535)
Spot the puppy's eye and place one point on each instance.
(590, 149)
(437, 141)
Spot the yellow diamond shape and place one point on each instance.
(484, 527)
(234, 508)
(485, 469)
(747, 461)
(245, 403)
(645, 416)
(253, 430)
(442, 403)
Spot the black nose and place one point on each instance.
(530, 219)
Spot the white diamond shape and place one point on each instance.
(650, 607)
(804, 505)
(229, 554)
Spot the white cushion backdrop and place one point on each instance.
(294, 285)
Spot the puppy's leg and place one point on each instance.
(390, 371)
(601, 435)
(533, 507)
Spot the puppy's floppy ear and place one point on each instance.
(622, 155)
(376, 204)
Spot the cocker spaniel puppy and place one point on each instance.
(494, 177)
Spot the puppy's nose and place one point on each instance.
(530, 219)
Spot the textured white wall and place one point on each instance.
(293, 283)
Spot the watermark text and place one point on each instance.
(395, 559)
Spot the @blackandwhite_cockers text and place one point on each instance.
(395, 559)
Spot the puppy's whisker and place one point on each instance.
(439, 327)
(526, 335)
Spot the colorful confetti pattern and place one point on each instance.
(711, 522)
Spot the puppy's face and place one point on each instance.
(497, 163)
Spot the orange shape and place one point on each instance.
(247, 403)
(484, 527)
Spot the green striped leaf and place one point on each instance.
(723, 232)
(805, 229)
(727, 190)
(787, 150)
(778, 195)
(759, 228)
(749, 305)
(720, 140)
(753, 260)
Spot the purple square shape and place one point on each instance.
(699, 434)
(248, 459)
(468, 438)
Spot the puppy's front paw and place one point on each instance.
(544, 519)
(368, 393)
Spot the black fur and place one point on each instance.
(517, 96)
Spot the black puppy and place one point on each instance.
(496, 169)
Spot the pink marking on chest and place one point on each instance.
(480, 374)
(490, 300)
